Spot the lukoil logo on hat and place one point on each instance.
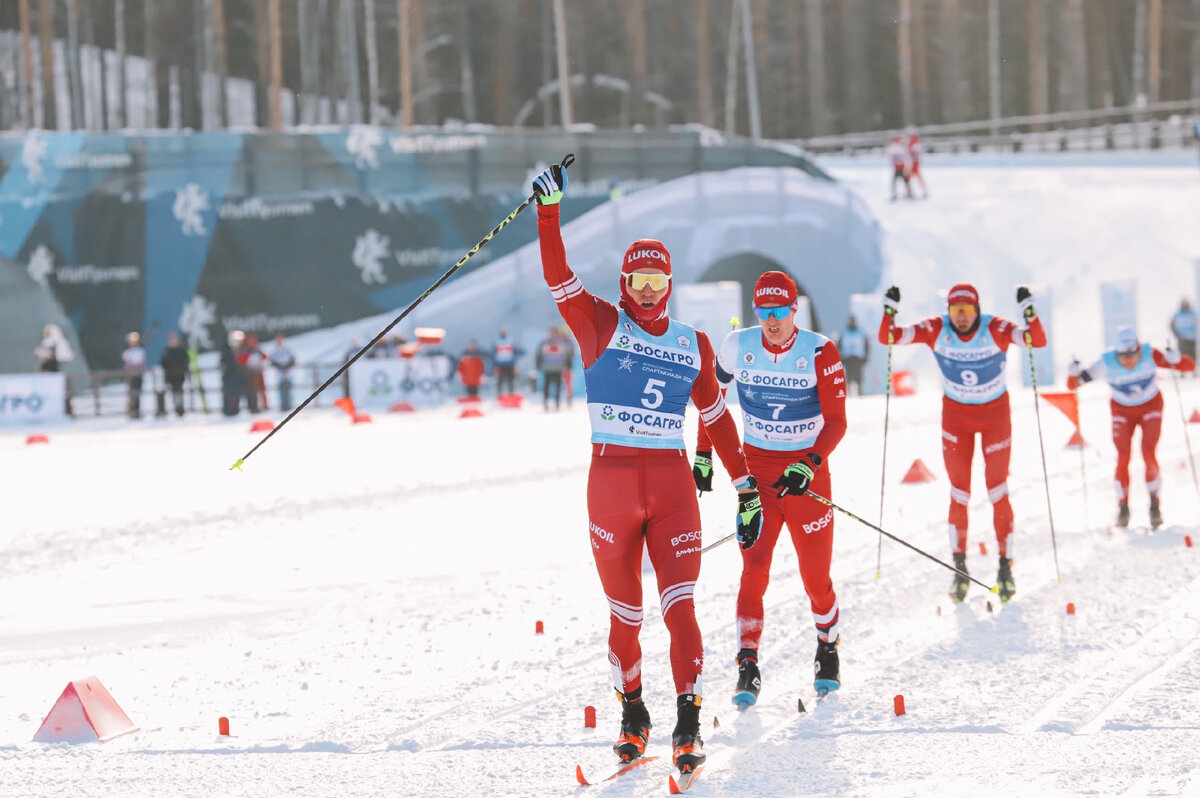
(646, 253)
(962, 294)
(775, 288)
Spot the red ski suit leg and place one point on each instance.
(647, 497)
(810, 525)
(960, 424)
(1124, 420)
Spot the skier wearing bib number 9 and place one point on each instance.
(792, 390)
(970, 350)
(641, 368)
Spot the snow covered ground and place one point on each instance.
(361, 601)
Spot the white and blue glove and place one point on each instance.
(550, 185)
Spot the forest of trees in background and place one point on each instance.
(821, 66)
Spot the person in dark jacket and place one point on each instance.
(174, 362)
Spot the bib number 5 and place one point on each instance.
(654, 396)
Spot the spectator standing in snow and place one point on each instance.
(898, 156)
(970, 349)
(552, 361)
(234, 383)
(175, 364)
(282, 360)
(852, 344)
(133, 361)
(54, 350)
(470, 369)
(1131, 369)
(1183, 326)
(642, 368)
(504, 362)
(792, 392)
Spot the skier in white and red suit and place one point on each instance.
(1131, 369)
(970, 349)
(641, 368)
(792, 391)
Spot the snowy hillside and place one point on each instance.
(361, 602)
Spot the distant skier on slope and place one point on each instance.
(1131, 369)
(915, 153)
(641, 368)
(970, 350)
(792, 391)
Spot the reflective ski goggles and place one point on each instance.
(779, 312)
(962, 307)
(657, 282)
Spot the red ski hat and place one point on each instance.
(962, 294)
(774, 288)
(646, 253)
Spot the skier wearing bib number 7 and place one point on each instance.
(970, 350)
(641, 368)
(792, 390)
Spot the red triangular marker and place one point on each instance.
(1194, 418)
(1076, 441)
(84, 713)
(346, 405)
(918, 472)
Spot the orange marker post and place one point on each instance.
(898, 705)
(589, 717)
(223, 726)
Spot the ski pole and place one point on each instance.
(566, 161)
(1186, 439)
(1042, 443)
(1082, 460)
(901, 541)
(887, 404)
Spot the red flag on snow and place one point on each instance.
(1067, 402)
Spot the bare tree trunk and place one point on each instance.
(467, 72)
(46, 26)
(922, 86)
(199, 64)
(419, 71)
(371, 44)
(752, 105)
(404, 31)
(1039, 73)
(119, 37)
(275, 102)
(221, 60)
(814, 28)
(27, 114)
(905, 65)
(1154, 24)
(951, 65)
(635, 29)
(704, 104)
(99, 77)
(1196, 49)
(348, 25)
(731, 69)
(788, 83)
(1139, 53)
(150, 109)
(1072, 69)
(994, 98)
(857, 97)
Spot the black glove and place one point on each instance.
(796, 477)
(891, 301)
(550, 185)
(749, 514)
(702, 471)
(1025, 300)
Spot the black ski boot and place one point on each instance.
(826, 668)
(635, 726)
(1155, 513)
(1005, 581)
(1123, 514)
(749, 680)
(958, 588)
(687, 748)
